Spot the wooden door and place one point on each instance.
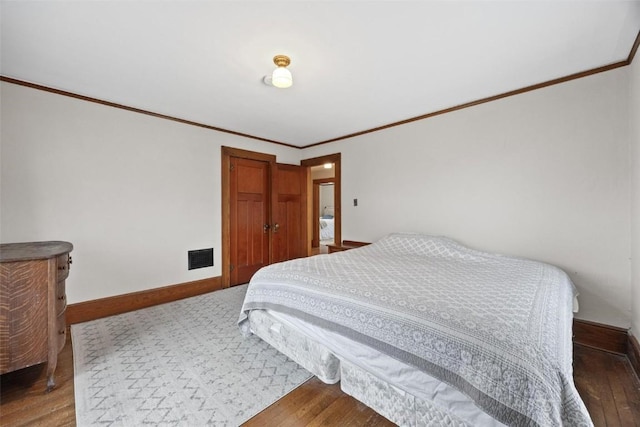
(249, 218)
(289, 213)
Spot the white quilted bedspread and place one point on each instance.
(497, 328)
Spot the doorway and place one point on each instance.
(325, 214)
(323, 209)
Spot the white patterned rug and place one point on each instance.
(183, 363)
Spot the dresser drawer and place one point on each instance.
(61, 330)
(61, 298)
(63, 266)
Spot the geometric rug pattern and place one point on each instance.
(184, 363)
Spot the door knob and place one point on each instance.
(266, 227)
(276, 227)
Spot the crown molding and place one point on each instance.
(634, 49)
(548, 83)
(134, 110)
(481, 101)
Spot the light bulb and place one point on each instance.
(281, 78)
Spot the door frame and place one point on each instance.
(337, 196)
(226, 154)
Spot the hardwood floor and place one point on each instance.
(23, 401)
(606, 382)
(608, 386)
(321, 249)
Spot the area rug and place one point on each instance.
(184, 363)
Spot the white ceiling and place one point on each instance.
(356, 65)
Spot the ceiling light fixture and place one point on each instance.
(281, 77)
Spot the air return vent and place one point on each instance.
(200, 258)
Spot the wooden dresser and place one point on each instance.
(32, 304)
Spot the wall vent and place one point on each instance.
(200, 258)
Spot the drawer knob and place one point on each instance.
(61, 332)
(62, 267)
(61, 297)
(70, 260)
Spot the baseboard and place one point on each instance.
(590, 334)
(633, 354)
(103, 307)
(602, 337)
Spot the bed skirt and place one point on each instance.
(395, 404)
(307, 353)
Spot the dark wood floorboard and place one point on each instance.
(608, 386)
(24, 402)
(606, 382)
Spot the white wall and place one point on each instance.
(133, 193)
(544, 175)
(326, 197)
(634, 126)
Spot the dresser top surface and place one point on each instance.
(10, 252)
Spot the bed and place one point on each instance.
(326, 224)
(427, 331)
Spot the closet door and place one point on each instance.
(250, 218)
(289, 210)
(264, 213)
